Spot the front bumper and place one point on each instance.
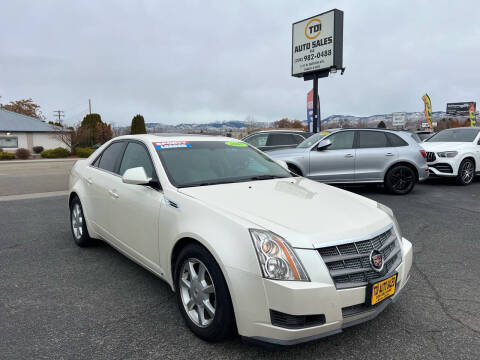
(445, 167)
(341, 308)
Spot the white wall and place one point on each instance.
(47, 140)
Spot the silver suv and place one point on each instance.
(390, 157)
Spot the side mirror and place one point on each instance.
(323, 144)
(282, 164)
(136, 176)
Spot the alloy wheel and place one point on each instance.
(197, 292)
(77, 221)
(467, 172)
(402, 179)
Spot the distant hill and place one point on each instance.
(414, 120)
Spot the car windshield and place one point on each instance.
(455, 135)
(312, 140)
(200, 163)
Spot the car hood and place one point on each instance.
(286, 153)
(306, 213)
(444, 146)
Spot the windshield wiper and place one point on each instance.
(261, 177)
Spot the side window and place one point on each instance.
(136, 156)
(372, 139)
(97, 161)
(280, 139)
(258, 140)
(396, 140)
(298, 138)
(111, 157)
(341, 140)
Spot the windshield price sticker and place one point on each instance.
(171, 144)
(235, 143)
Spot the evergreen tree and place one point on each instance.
(138, 125)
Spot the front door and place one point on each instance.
(337, 162)
(135, 215)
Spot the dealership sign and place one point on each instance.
(317, 43)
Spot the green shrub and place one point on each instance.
(84, 152)
(37, 149)
(6, 156)
(56, 153)
(22, 154)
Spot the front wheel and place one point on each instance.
(466, 172)
(202, 294)
(400, 180)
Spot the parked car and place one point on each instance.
(424, 135)
(236, 236)
(276, 139)
(454, 153)
(390, 157)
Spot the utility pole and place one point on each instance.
(89, 106)
(59, 114)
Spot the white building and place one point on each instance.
(21, 131)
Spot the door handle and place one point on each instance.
(89, 181)
(113, 194)
(349, 156)
(388, 154)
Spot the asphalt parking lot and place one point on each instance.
(58, 301)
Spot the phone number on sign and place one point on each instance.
(318, 55)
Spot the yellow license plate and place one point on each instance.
(383, 289)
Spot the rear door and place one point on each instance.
(374, 154)
(101, 177)
(337, 162)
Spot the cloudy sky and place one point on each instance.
(201, 61)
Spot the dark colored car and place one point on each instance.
(425, 135)
(276, 139)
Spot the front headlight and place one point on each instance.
(277, 259)
(390, 213)
(447, 154)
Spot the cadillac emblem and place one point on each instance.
(376, 260)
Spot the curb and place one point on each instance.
(37, 161)
(33, 196)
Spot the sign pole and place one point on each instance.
(315, 104)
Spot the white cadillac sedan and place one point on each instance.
(244, 243)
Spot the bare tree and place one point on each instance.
(251, 124)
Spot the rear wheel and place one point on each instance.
(400, 180)
(466, 172)
(78, 224)
(202, 294)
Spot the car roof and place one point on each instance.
(175, 137)
(280, 130)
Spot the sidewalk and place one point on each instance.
(38, 160)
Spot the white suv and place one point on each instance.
(454, 153)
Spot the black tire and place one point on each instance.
(466, 172)
(294, 169)
(78, 225)
(222, 324)
(400, 179)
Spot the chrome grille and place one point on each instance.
(349, 264)
(431, 156)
